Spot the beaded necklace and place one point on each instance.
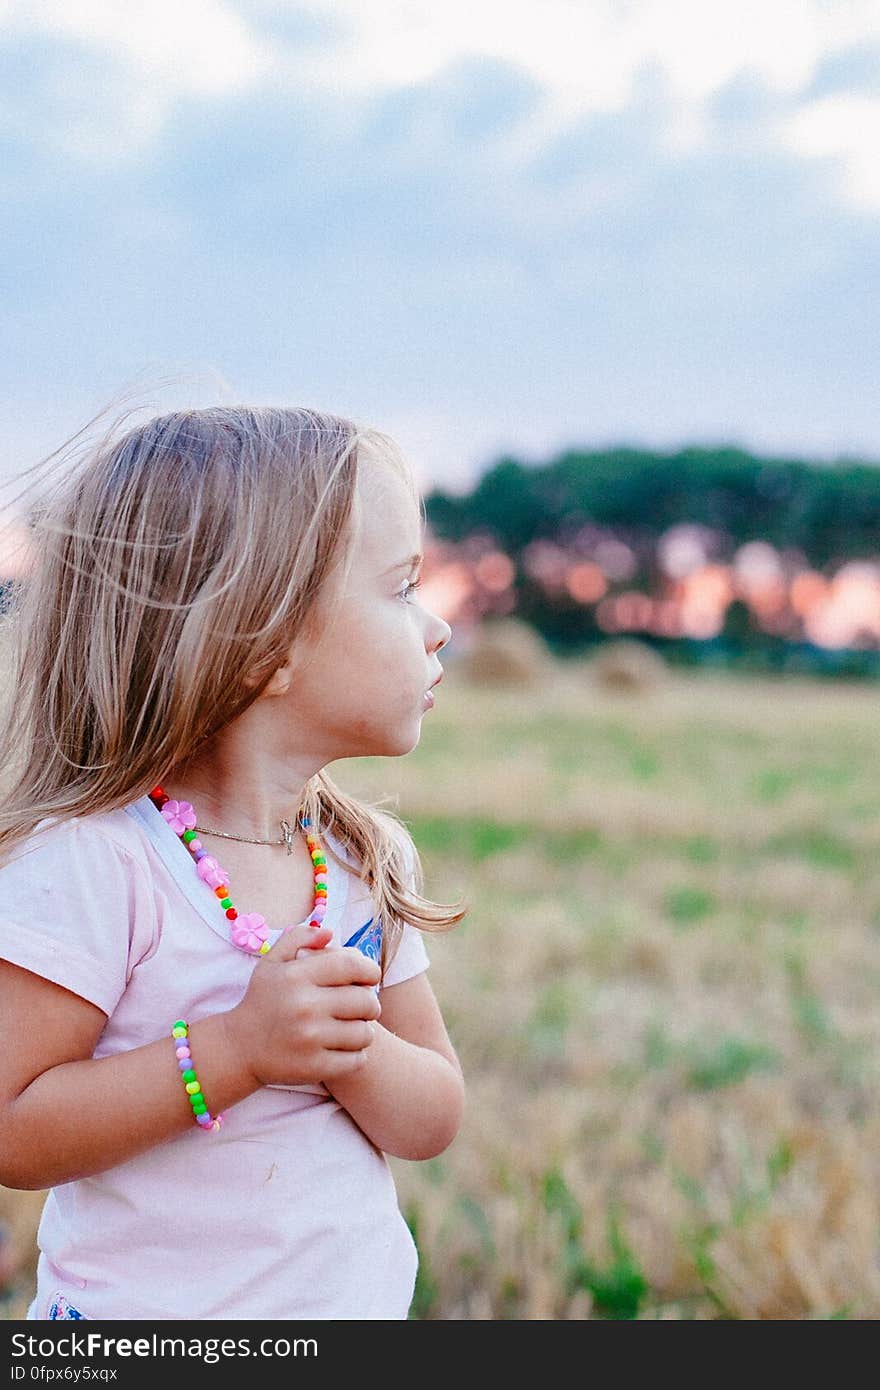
(248, 930)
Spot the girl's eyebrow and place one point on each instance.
(405, 564)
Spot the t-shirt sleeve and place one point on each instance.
(410, 958)
(76, 909)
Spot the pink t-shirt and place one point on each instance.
(289, 1211)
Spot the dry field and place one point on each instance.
(664, 998)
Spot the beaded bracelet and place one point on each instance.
(180, 1034)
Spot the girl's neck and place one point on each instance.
(247, 779)
(241, 810)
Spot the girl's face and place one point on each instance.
(361, 688)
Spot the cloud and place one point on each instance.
(109, 74)
(581, 60)
(842, 129)
(202, 47)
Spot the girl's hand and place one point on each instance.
(307, 1015)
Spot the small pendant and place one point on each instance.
(287, 832)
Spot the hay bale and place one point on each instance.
(627, 664)
(505, 652)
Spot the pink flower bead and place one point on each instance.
(211, 873)
(249, 931)
(179, 815)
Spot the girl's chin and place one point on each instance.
(406, 743)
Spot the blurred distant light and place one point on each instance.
(616, 560)
(856, 589)
(709, 587)
(633, 611)
(701, 623)
(704, 597)
(546, 562)
(586, 583)
(495, 571)
(587, 537)
(827, 627)
(756, 563)
(807, 590)
(857, 574)
(666, 621)
(683, 549)
(848, 614)
(768, 601)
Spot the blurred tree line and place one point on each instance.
(823, 514)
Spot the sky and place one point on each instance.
(486, 228)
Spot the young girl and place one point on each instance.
(215, 1020)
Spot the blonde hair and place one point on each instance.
(172, 571)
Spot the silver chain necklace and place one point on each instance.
(286, 836)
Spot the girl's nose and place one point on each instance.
(442, 634)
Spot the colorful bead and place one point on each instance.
(250, 932)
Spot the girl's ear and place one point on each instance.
(277, 683)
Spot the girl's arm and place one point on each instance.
(66, 1115)
(408, 1097)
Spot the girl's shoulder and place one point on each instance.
(89, 841)
(77, 906)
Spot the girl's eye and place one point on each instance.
(410, 587)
